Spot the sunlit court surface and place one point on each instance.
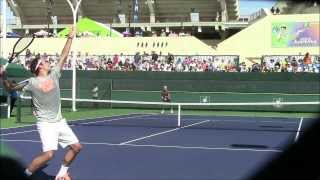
(149, 146)
(160, 89)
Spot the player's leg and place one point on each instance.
(68, 139)
(39, 161)
(71, 154)
(49, 138)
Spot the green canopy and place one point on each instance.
(86, 25)
(15, 70)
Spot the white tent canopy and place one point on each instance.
(42, 33)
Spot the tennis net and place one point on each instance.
(92, 112)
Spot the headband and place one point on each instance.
(38, 64)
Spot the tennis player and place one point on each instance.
(52, 127)
(165, 97)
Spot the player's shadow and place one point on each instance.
(41, 175)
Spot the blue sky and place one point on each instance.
(248, 7)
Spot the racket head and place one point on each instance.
(22, 44)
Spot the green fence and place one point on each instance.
(245, 86)
(193, 86)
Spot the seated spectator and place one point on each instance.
(316, 65)
(163, 33)
(255, 68)
(307, 62)
(294, 65)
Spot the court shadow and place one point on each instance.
(297, 161)
(41, 175)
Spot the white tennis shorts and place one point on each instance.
(52, 134)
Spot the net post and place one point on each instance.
(8, 105)
(18, 119)
(179, 115)
(74, 72)
(111, 89)
(298, 130)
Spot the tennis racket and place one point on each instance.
(21, 45)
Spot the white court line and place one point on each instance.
(21, 132)
(67, 121)
(72, 120)
(298, 131)
(206, 148)
(229, 120)
(156, 134)
(116, 119)
(17, 127)
(160, 146)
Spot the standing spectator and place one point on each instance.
(28, 53)
(154, 56)
(307, 62)
(316, 65)
(294, 65)
(95, 94)
(95, 91)
(122, 60)
(137, 59)
(109, 65)
(170, 58)
(163, 33)
(166, 97)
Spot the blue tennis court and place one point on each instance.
(148, 146)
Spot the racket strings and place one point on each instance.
(22, 44)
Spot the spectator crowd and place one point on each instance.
(298, 63)
(182, 63)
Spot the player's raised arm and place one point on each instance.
(66, 48)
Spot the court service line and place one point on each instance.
(159, 146)
(164, 132)
(240, 121)
(116, 119)
(205, 148)
(298, 131)
(17, 127)
(20, 132)
(82, 119)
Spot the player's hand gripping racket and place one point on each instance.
(22, 44)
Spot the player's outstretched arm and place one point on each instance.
(66, 48)
(8, 85)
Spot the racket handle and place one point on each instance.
(5, 66)
(24, 82)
